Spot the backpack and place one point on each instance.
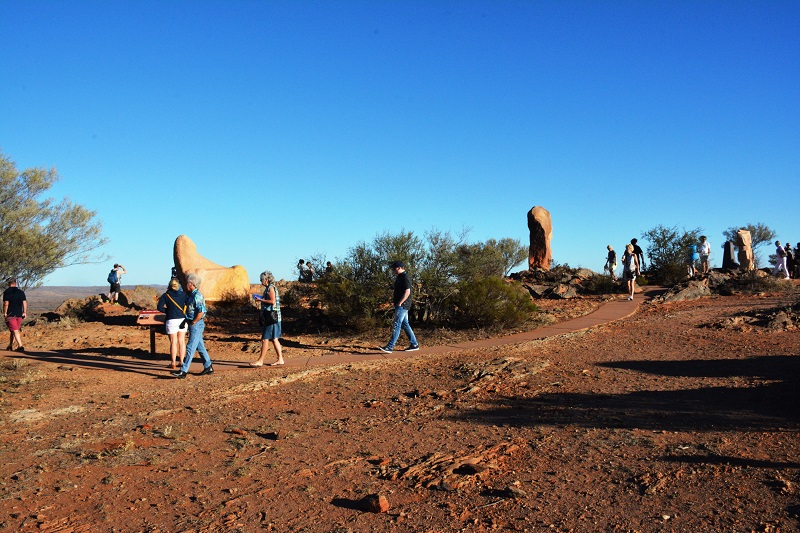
(113, 277)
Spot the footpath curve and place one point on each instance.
(609, 311)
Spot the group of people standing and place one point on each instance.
(306, 270)
(632, 265)
(698, 252)
(787, 264)
(185, 311)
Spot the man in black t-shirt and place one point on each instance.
(15, 308)
(637, 251)
(402, 303)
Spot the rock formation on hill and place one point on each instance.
(218, 282)
(540, 227)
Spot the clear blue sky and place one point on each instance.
(270, 131)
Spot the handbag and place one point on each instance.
(267, 317)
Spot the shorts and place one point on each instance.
(628, 275)
(273, 331)
(115, 287)
(174, 325)
(703, 258)
(14, 323)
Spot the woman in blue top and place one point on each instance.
(173, 303)
(270, 333)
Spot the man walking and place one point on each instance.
(402, 303)
(195, 312)
(114, 281)
(15, 308)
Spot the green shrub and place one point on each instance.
(492, 303)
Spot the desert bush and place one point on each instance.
(601, 285)
(667, 252)
(357, 292)
(753, 282)
(492, 302)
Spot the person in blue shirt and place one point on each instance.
(195, 313)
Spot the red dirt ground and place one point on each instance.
(682, 417)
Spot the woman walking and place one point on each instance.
(630, 269)
(270, 331)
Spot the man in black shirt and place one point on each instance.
(402, 303)
(15, 308)
(637, 251)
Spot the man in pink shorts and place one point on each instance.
(15, 308)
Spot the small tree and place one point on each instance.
(668, 249)
(759, 234)
(39, 236)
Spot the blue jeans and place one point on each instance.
(196, 343)
(401, 322)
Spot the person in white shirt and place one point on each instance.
(705, 251)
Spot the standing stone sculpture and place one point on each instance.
(729, 256)
(540, 226)
(218, 282)
(744, 242)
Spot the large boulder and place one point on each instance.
(540, 226)
(217, 282)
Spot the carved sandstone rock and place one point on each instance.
(744, 242)
(218, 282)
(540, 227)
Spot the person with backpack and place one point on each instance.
(173, 304)
(114, 280)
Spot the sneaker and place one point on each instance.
(630, 298)
(385, 349)
(10, 348)
(180, 374)
(20, 348)
(413, 348)
(207, 371)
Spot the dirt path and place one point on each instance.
(678, 417)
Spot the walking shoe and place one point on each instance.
(385, 349)
(180, 374)
(20, 348)
(10, 348)
(413, 348)
(207, 371)
(630, 298)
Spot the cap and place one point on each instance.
(398, 264)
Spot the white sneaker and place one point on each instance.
(630, 298)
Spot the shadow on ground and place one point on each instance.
(766, 399)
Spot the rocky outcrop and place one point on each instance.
(218, 282)
(560, 283)
(540, 226)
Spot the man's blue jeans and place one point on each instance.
(401, 322)
(196, 343)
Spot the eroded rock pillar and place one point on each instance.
(540, 226)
